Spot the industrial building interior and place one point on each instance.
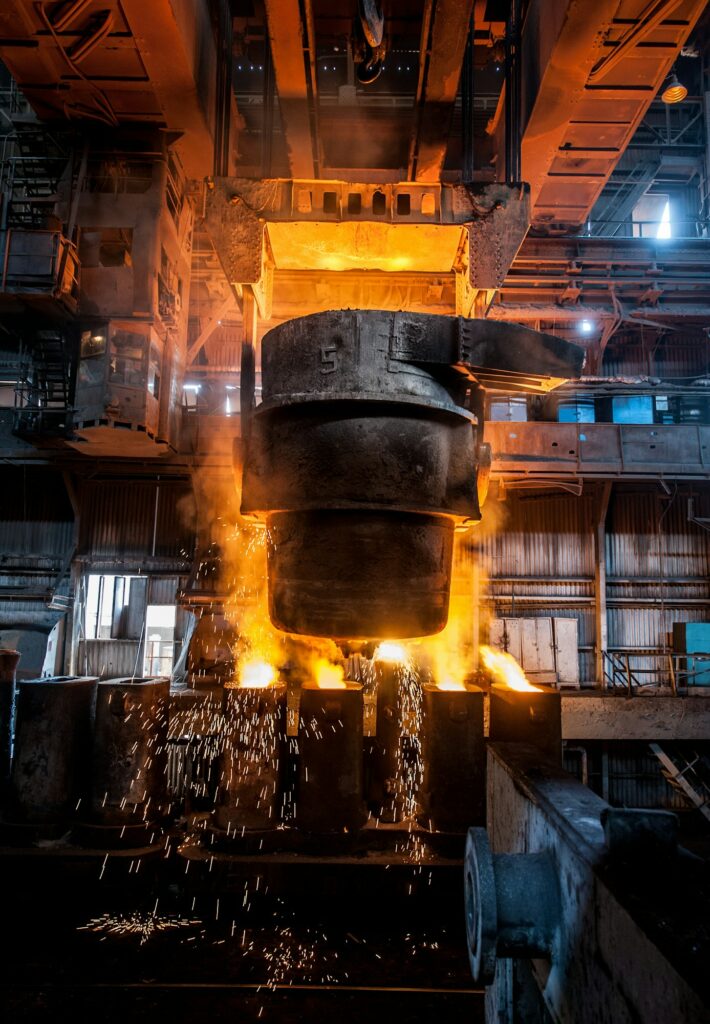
(355, 566)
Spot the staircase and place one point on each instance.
(43, 398)
(614, 208)
(33, 163)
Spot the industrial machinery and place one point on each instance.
(366, 454)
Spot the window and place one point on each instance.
(123, 608)
(115, 607)
(128, 357)
(651, 217)
(160, 640)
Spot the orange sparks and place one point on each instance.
(328, 676)
(391, 653)
(505, 669)
(257, 674)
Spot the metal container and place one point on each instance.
(129, 754)
(52, 754)
(527, 716)
(453, 792)
(383, 763)
(252, 758)
(366, 453)
(8, 667)
(330, 785)
(361, 465)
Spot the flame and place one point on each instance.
(328, 676)
(451, 653)
(391, 653)
(257, 674)
(505, 669)
(450, 684)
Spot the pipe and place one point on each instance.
(8, 667)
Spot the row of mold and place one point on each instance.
(93, 755)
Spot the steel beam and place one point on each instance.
(598, 75)
(445, 26)
(602, 451)
(291, 38)
(600, 616)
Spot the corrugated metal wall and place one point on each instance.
(641, 352)
(658, 570)
(36, 517)
(132, 522)
(36, 539)
(540, 561)
(110, 658)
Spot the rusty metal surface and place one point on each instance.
(290, 30)
(383, 756)
(452, 793)
(359, 574)
(128, 764)
(602, 450)
(251, 760)
(330, 776)
(364, 455)
(50, 767)
(527, 717)
(445, 28)
(414, 226)
(120, 61)
(584, 94)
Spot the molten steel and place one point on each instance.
(450, 684)
(391, 653)
(328, 676)
(257, 674)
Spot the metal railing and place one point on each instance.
(636, 669)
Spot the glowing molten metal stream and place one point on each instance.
(393, 654)
(257, 674)
(505, 669)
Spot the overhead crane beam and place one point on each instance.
(445, 26)
(292, 41)
(590, 72)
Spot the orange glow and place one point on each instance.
(391, 653)
(450, 684)
(505, 669)
(257, 674)
(328, 676)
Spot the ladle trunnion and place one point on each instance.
(367, 453)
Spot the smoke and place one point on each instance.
(451, 656)
(231, 568)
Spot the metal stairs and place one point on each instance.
(43, 398)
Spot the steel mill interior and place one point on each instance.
(355, 511)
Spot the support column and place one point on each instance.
(600, 611)
(247, 377)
